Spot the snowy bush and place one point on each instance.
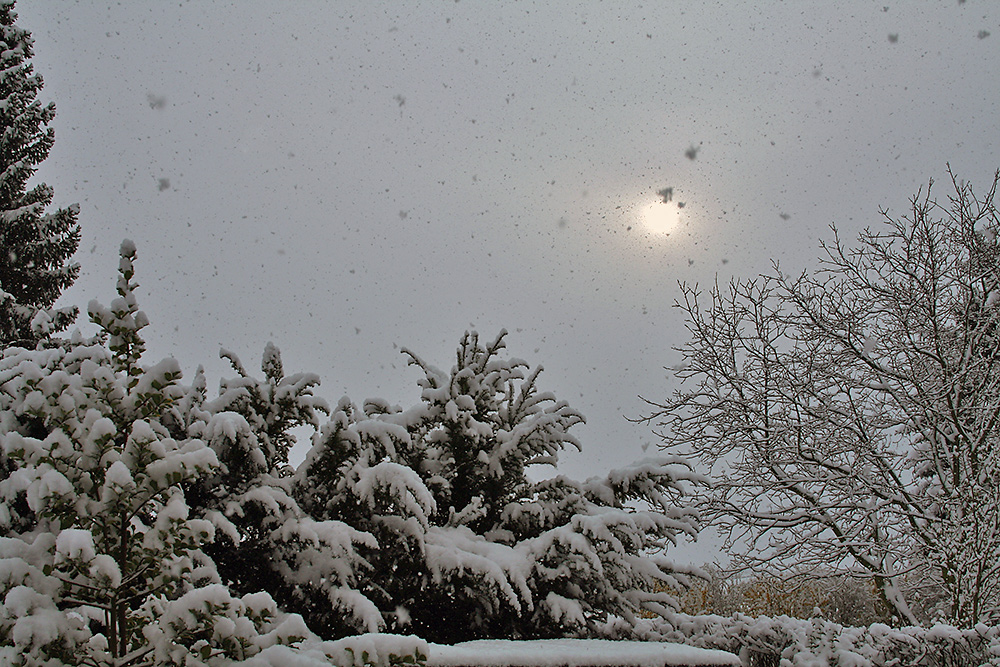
(791, 642)
(837, 596)
(367, 650)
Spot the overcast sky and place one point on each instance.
(346, 178)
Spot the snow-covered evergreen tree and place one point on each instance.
(103, 565)
(264, 540)
(37, 246)
(469, 545)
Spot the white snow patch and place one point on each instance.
(573, 653)
(75, 543)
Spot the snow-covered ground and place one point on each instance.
(573, 653)
(382, 650)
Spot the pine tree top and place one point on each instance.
(35, 267)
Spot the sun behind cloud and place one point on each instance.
(660, 217)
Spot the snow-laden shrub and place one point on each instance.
(367, 650)
(101, 560)
(791, 642)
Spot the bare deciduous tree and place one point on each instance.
(849, 415)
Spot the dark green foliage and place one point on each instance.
(34, 264)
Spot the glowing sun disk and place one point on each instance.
(660, 217)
